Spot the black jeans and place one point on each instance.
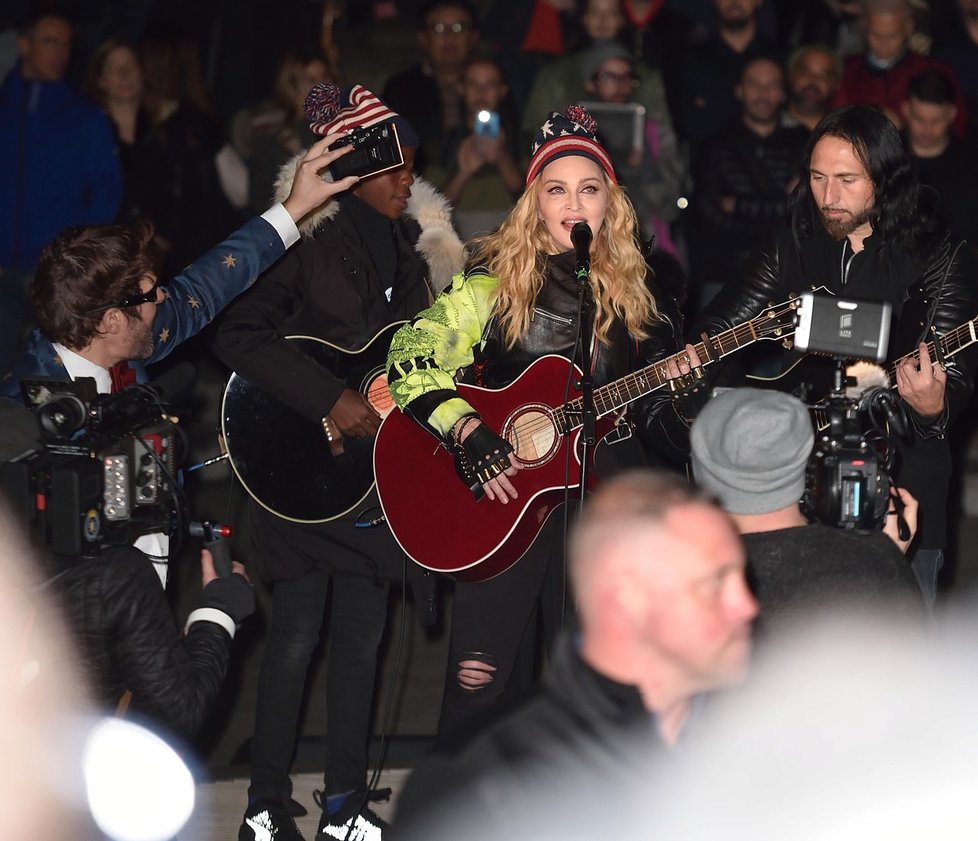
(357, 615)
(494, 622)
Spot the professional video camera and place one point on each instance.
(849, 473)
(105, 472)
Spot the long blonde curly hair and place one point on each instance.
(514, 254)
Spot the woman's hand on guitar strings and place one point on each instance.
(499, 487)
(690, 389)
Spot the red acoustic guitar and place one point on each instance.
(441, 526)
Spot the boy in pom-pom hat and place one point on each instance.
(375, 256)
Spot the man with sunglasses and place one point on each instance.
(102, 312)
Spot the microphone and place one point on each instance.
(581, 237)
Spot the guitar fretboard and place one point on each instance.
(631, 387)
(951, 343)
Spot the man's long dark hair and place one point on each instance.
(902, 213)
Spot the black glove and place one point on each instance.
(482, 456)
(233, 595)
(690, 393)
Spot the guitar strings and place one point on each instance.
(605, 397)
(637, 383)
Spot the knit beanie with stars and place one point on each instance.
(330, 108)
(571, 133)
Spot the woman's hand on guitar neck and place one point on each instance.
(354, 415)
(498, 487)
(684, 364)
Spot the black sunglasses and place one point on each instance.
(147, 297)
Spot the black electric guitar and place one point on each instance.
(283, 460)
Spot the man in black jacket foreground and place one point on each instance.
(859, 224)
(665, 617)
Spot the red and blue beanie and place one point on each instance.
(330, 109)
(562, 135)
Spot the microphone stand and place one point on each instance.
(585, 305)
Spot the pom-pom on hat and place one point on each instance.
(750, 449)
(563, 135)
(330, 109)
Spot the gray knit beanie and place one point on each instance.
(750, 449)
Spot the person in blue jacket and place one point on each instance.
(102, 312)
(60, 163)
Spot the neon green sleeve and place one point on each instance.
(426, 354)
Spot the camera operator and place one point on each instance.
(122, 624)
(130, 642)
(751, 449)
(102, 312)
(860, 224)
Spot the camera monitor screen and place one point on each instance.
(850, 329)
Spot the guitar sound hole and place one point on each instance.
(532, 435)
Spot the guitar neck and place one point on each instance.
(950, 343)
(631, 387)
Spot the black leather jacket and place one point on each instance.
(553, 330)
(129, 641)
(937, 292)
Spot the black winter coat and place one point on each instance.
(129, 641)
(582, 734)
(327, 287)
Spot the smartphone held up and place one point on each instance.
(376, 149)
(486, 124)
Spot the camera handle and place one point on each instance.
(840, 382)
(215, 535)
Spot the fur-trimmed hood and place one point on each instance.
(440, 246)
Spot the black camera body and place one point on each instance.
(847, 483)
(104, 475)
(376, 149)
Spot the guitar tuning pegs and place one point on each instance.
(787, 344)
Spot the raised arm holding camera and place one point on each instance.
(859, 224)
(99, 303)
(102, 314)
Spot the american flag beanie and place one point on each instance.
(571, 133)
(330, 109)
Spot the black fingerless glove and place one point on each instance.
(690, 393)
(482, 456)
(233, 595)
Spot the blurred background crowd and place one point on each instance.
(704, 104)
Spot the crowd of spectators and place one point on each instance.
(705, 173)
(705, 107)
